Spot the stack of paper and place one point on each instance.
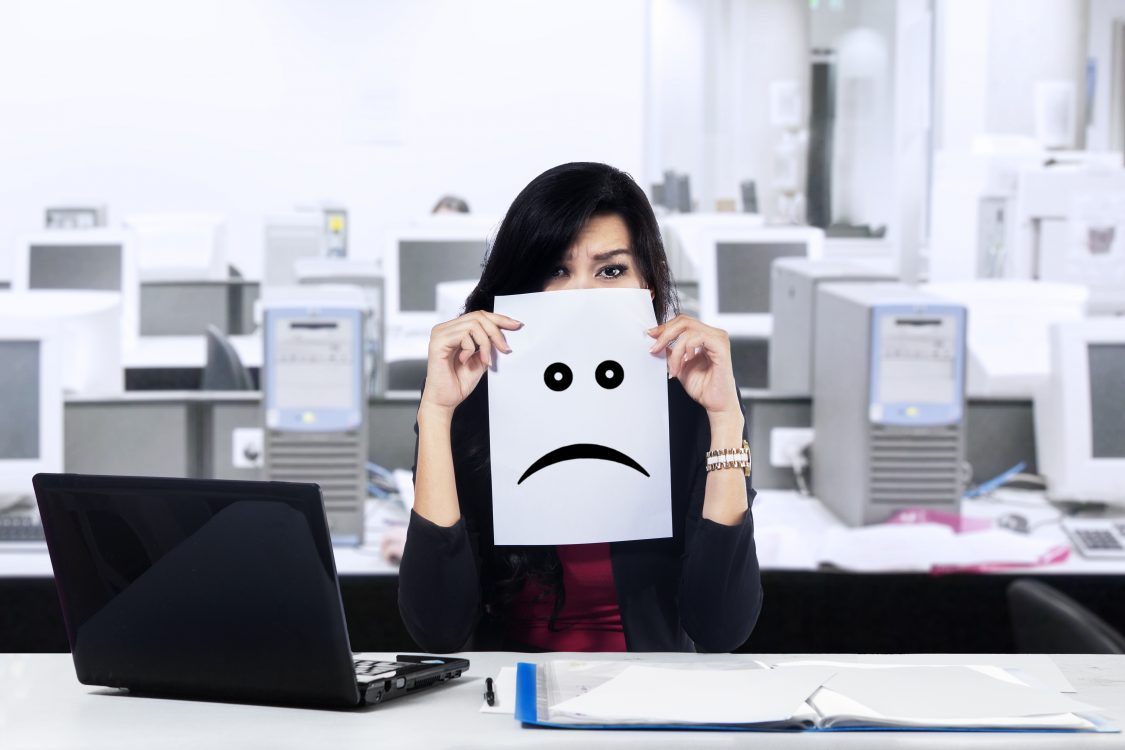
(930, 546)
(810, 695)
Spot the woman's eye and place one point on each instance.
(612, 272)
(558, 273)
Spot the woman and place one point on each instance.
(578, 226)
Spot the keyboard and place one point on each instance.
(368, 671)
(20, 528)
(1097, 538)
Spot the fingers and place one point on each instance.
(686, 347)
(501, 321)
(476, 341)
(473, 332)
(667, 333)
(495, 335)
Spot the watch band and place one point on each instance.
(730, 458)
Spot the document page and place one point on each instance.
(578, 421)
(654, 695)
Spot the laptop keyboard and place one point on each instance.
(369, 671)
(20, 529)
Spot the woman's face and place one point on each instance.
(600, 258)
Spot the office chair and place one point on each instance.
(1046, 621)
(224, 370)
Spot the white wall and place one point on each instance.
(1030, 41)
(990, 56)
(246, 108)
(712, 65)
(1103, 14)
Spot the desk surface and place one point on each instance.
(42, 705)
(787, 529)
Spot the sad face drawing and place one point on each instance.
(578, 416)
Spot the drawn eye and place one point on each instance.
(558, 376)
(609, 374)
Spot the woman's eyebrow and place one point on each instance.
(599, 257)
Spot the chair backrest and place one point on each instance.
(1046, 621)
(224, 370)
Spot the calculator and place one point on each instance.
(1097, 538)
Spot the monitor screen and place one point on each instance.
(314, 364)
(423, 264)
(95, 267)
(743, 270)
(19, 400)
(1107, 400)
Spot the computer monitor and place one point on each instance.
(735, 270)
(89, 328)
(421, 256)
(99, 260)
(31, 403)
(729, 258)
(1080, 414)
(179, 246)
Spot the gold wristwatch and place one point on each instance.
(730, 458)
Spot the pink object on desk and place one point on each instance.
(962, 525)
(955, 521)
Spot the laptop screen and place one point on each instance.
(199, 587)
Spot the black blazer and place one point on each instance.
(698, 590)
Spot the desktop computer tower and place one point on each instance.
(888, 401)
(315, 399)
(793, 309)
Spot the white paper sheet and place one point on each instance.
(947, 693)
(921, 546)
(702, 696)
(1037, 670)
(504, 690)
(579, 375)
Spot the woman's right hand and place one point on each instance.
(460, 351)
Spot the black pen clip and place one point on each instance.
(489, 693)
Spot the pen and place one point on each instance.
(489, 693)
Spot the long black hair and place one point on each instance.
(542, 223)
(546, 218)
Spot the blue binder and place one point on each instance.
(527, 712)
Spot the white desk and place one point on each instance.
(43, 706)
(788, 528)
(154, 352)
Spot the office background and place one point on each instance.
(255, 110)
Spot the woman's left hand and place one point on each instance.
(699, 356)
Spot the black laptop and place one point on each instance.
(207, 589)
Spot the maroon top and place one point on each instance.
(590, 619)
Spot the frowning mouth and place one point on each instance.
(581, 450)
